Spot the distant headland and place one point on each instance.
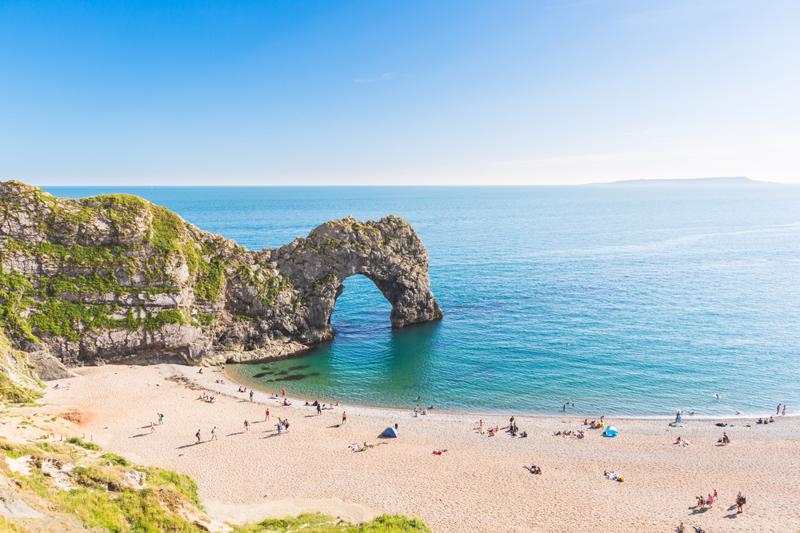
(690, 182)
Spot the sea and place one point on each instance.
(619, 300)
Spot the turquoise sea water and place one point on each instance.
(621, 299)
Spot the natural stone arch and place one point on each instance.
(388, 252)
(117, 278)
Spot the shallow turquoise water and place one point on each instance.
(622, 299)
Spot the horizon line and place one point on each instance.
(631, 182)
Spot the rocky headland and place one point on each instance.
(115, 278)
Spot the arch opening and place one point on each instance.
(360, 307)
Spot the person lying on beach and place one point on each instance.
(493, 430)
(613, 476)
(534, 469)
(438, 452)
(680, 441)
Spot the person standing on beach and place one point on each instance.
(214, 433)
(197, 435)
(778, 409)
(319, 409)
(251, 395)
(160, 419)
(740, 501)
(246, 425)
(283, 392)
(152, 428)
(784, 409)
(344, 417)
(266, 414)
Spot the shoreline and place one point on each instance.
(249, 474)
(396, 410)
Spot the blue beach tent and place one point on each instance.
(610, 431)
(389, 433)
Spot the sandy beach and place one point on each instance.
(479, 484)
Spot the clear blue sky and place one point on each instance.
(404, 92)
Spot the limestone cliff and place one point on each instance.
(116, 278)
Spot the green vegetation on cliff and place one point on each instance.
(319, 523)
(108, 492)
(18, 385)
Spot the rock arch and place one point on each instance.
(388, 252)
(117, 278)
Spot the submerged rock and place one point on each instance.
(114, 278)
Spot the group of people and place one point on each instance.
(319, 406)
(595, 424)
(724, 440)
(512, 428)
(578, 434)
(708, 501)
(206, 397)
(423, 411)
(282, 425)
(781, 409)
(765, 420)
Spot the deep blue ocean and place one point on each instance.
(621, 299)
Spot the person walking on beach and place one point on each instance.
(214, 433)
(740, 501)
(246, 425)
(778, 409)
(283, 391)
(160, 419)
(344, 417)
(251, 395)
(266, 414)
(197, 436)
(784, 409)
(319, 409)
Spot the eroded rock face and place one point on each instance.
(116, 278)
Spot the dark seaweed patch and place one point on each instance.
(294, 377)
(298, 367)
(260, 374)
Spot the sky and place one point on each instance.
(428, 92)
